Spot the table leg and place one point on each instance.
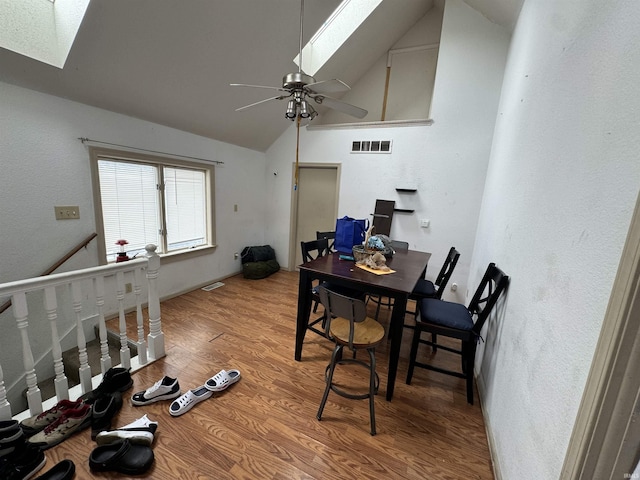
(304, 310)
(396, 327)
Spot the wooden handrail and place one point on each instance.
(53, 267)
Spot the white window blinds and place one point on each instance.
(132, 195)
(184, 200)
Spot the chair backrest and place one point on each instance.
(493, 283)
(336, 305)
(314, 249)
(330, 236)
(399, 245)
(447, 269)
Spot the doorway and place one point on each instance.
(314, 205)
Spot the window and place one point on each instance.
(144, 199)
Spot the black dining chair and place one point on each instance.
(310, 251)
(349, 326)
(454, 320)
(397, 246)
(428, 289)
(330, 236)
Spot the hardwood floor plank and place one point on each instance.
(264, 426)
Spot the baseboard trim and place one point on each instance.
(497, 474)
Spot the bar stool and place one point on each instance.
(348, 326)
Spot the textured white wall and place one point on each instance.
(446, 162)
(561, 187)
(43, 164)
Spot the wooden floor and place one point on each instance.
(265, 427)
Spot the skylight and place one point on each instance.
(345, 20)
(42, 30)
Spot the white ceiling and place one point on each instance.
(171, 62)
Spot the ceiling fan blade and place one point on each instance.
(340, 106)
(280, 89)
(329, 86)
(261, 101)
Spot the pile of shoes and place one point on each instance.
(126, 449)
(20, 459)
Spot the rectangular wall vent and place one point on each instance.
(371, 146)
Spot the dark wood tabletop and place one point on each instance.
(409, 267)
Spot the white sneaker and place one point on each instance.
(139, 432)
(166, 388)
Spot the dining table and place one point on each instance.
(408, 267)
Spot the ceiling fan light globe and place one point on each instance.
(291, 110)
(304, 109)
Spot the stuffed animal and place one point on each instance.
(377, 261)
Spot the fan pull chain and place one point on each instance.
(295, 185)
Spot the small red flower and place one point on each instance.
(121, 242)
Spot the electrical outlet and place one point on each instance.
(128, 288)
(67, 212)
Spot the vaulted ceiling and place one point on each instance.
(171, 62)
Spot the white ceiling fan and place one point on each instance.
(299, 88)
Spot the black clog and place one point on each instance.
(64, 470)
(124, 457)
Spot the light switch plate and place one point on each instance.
(67, 212)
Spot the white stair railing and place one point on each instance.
(107, 284)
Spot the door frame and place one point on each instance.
(606, 435)
(293, 221)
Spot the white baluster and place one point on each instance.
(5, 408)
(141, 343)
(105, 358)
(156, 336)
(51, 307)
(125, 353)
(21, 313)
(84, 372)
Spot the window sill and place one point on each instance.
(185, 254)
(181, 254)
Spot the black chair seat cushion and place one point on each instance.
(446, 314)
(424, 288)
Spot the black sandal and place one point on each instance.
(123, 457)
